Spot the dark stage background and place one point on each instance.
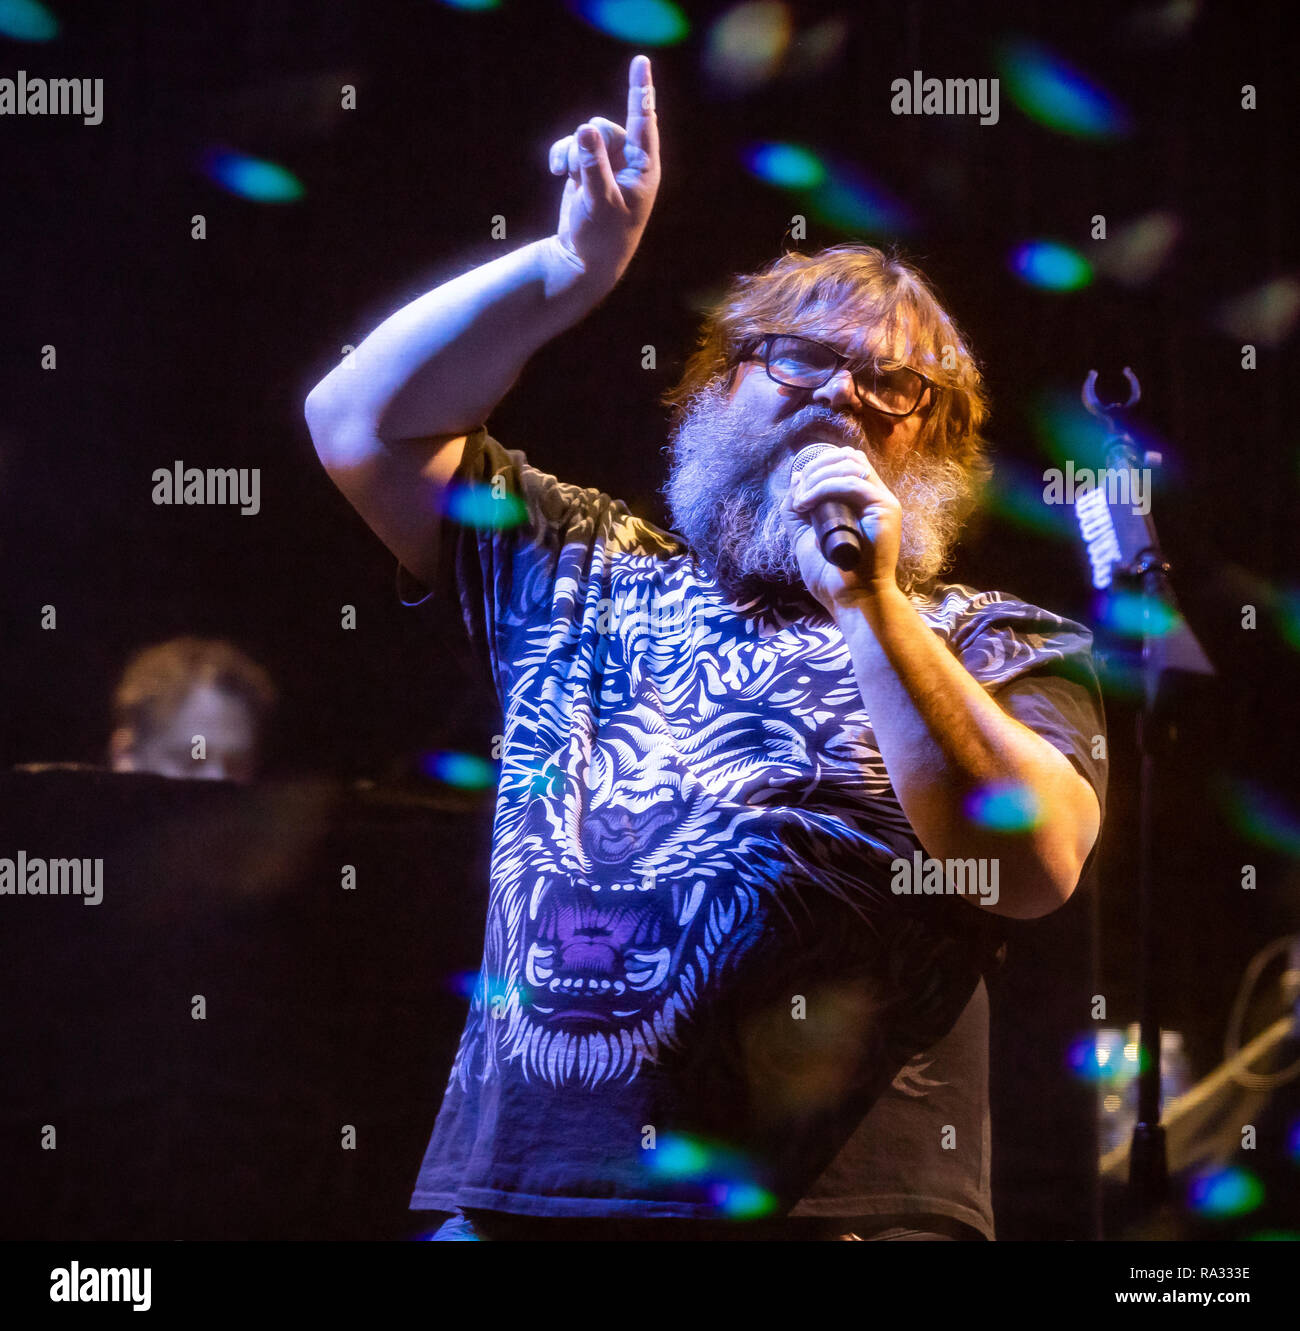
(169, 347)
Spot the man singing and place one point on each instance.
(720, 995)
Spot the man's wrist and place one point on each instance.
(566, 278)
(872, 603)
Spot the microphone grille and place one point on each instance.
(806, 456)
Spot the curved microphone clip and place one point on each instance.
(1105, 411)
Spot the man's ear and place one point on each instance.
(120, 746)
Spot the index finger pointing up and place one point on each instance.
(642, 123)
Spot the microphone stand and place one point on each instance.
(1141, 567)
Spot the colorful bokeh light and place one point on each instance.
(848, 200)
(1089, 1058)
(478, 506)
(463, 983)
(642, 22)
(1050, 266)
(724, 1172)
(1266, 315)
(742, 1201)
(1057, 96)
(1223, 1192)
(1130, 614)
(1261, 816)
(27, 21)
(680, 1157)
(1104, 1055)
(786, 165)
(465, 771)
(1004, 808)
(1140, 249)
(491, 989)
(837, 193)
(251, 178)
(745, 46)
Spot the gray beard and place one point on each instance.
(720, 461)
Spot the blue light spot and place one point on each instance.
(645, 22)
(1081, 1056)
(463, 983)
(742, 1201)
(492, 990)
(1133, 615)
(474, 5)
(1004, 808)
(724, 1172)
(848, 200)
(679, 1157)
(785, 164)
(463, 770)
(1049, 91)
(1091, 1058)
(1043, 263)
(252, 178)
(27, 21)
(1224, 1192)
(479, 506)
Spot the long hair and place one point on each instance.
(857, 287)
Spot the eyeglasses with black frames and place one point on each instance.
(803, 362)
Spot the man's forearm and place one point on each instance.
(943, 737)
(441, 364)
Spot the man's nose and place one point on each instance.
(839, 392)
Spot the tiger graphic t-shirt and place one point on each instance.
(700, 995)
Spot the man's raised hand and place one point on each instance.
(613, 176)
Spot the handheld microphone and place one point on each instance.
(838, 536)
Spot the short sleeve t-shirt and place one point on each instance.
(701, 993)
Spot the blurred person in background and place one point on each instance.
(192, 708)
